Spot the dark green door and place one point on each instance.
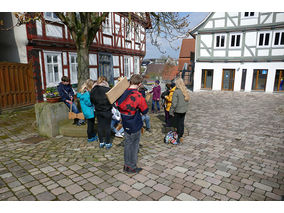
(105, 67)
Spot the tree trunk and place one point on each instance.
(83, 65)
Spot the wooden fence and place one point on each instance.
(16, 85)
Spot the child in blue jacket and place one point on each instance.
(88, 108)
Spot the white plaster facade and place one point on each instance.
(21, 40)
(238, 67)
(260, 46)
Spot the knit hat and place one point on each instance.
(157, 81)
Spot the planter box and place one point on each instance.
(53, 100)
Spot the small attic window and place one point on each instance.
(249, 15)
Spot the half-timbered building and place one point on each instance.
(117, 50)
(239, 51)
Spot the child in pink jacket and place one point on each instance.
(156, 96)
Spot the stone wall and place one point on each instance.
(48, 117)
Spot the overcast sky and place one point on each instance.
(152, 52)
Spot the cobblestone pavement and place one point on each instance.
(233, 149)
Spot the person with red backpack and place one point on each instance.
(131, 105)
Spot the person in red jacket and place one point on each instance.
(131, 105)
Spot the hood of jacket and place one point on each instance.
(104, 84)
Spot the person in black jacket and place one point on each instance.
(67, 96)
(163, 96)
(103, 111)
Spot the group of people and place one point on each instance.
(131, 109)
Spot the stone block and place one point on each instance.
(186, 197)
(48, 117)
(262, 187)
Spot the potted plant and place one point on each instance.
(52, 95)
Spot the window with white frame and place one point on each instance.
(247, 15)
(136, 65)
(235, 40)
(127, 66)
(264, 39)
(73, 68)
(278, 38)
(51, 16)
(107, 25)
(220, 41)
(53, 69)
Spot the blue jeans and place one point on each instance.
(113, 124)
(153, 105)
(74, 107)
(147, 120)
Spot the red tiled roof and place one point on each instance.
(170, 72)
(187, 46)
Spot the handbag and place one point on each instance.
(148, 96)
(73, 115)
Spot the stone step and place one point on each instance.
(67, 128)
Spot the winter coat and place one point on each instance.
(65, 91)
(131, 104)
(179, 105)
(163, 95)
(156, 93)
(86, 105)
(169, 99)
(99, 98)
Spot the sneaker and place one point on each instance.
(108, 145)
(129, 170)
(148, 129)
(137, 170)
(78, 124)
(93, 139)
(119, 135)
(102, 145)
